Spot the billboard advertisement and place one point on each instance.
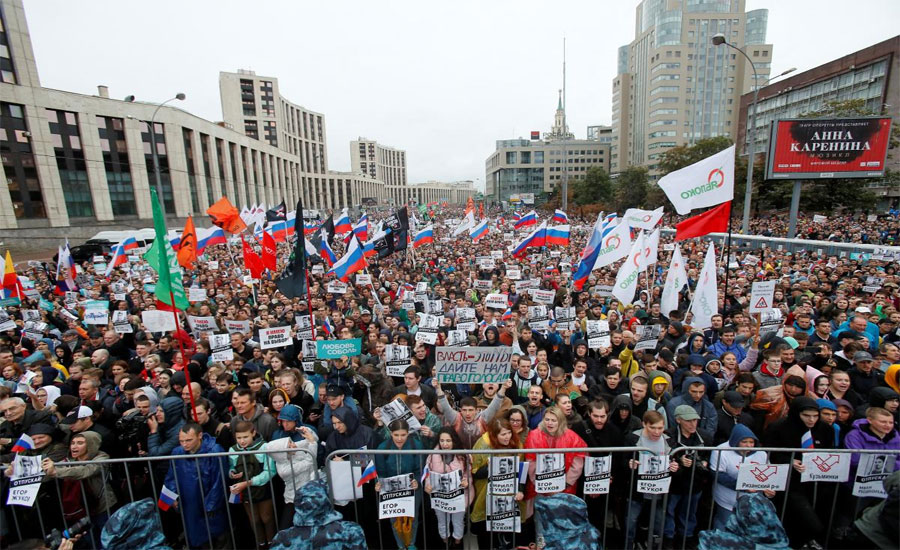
(816, 148)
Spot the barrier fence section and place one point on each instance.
(132, 479)
(135, 478)
(830, 248)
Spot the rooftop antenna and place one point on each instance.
(565, 127)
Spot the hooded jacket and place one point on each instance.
(355, 437)
(726, 463)
(788, 432)
(754, 524)
(135, 525)
(488, 343)
(165, 439)
(95, 476)
(861, 437)
(200, 490)
(316, 525)
(565, 524)
(623, 402)
(264, 423)
(296, 467)
(705, 408)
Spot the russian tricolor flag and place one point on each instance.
(423, 237)
(342, 225)
(129, 244)
(310, 228)
(589, 257)
(526, 220)
(535, 239)
(118, 258)
(279, 231)
(167, 498)
(807, 442)
(369, 249)
(234, 498)
(361, 229)
(560, 217)
(25, 443)
(368, 474)
(507, 315)
(558, 235)
(479, 231)
(65, 272)
(326, 326)
(516, 216)
(352, 261)
(326, 253)
(212, 235)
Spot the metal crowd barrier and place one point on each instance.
(829, 248)
(129, 464)
(609, 518)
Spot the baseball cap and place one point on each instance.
(290, 412)
(862, 356)
(733, 398)
(365, 312)
(686, 412)
(77, 414)
(862, 309)
(333, 390)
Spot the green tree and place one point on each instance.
(632, 188)
(595, 187)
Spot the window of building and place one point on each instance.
(207, 168)
(18, 163)
(510, 157)
(115, 161)
(188, 136)
(70, 163)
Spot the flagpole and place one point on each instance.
(727, 259)
(187, 371)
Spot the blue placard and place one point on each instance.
(335, 349)
(10, 302)
(46, 305)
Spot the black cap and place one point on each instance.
(733, 398)
(333, 390)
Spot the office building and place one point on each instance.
(871, 74)
(600, 133)
(75, 164)
(536, 166)
(674, 86)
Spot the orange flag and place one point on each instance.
(226, 216)
(187, 249)
(470, 206)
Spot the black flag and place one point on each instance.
(398, 222)
(278, 213)
(328, 226)
(292, 281)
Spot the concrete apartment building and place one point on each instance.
(871, 74)
(536, 166)
(75, 164)
(674, 86)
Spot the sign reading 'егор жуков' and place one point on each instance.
(477, 365)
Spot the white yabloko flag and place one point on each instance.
(706, 297)
(676, 278)
(629, 271)
(705, 183)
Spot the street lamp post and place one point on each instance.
(153, 153)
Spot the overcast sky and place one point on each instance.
(441, 80)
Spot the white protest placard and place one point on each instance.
(465, 318)
(447, 494)
(762, 294)
(422, 287)
(397, 498)
(597, 471)
(6, 322)
(550, 473)
(239, 326)
(503, 514)
(274, 337)
(336, 287)
(818, 218)
(770, 322)
(434, 306)
(598, 335)
(363, 279)
(344, 475)
(156, 320)
(653, 474)
(26, 480)
(497, 301)
(397, 359)
(317, 269)
(514, 273)
(565, 318)
(220, 345)
(669, 247)
(482, 285)
(472, 365)
(604, 290)
(647, 337)
(503, 474)
(497, 254)
(750, 259)
(121, 324)
(486, 263)
(397, 410)
(543, 296)
(826, 466)
(304, 327)
(538, 318)
(200, 325)
(757, 477)
(197, 294)
(871, 471)
(457, 337)
(426, 335)
(96, 312)
(308, 355)
(212, 264)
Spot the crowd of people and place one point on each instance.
(844, 228)
(828, 376)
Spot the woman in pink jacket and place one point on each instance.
(446, 464)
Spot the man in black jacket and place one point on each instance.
(18, 420)
(730, 413)
(597, 431)
(690, 479)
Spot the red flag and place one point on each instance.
(251, 260)
(226, 216)
(268, 251)
(714, 220)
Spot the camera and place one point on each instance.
(132, 427)
(55, 538)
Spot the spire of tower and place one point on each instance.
(559, 106)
